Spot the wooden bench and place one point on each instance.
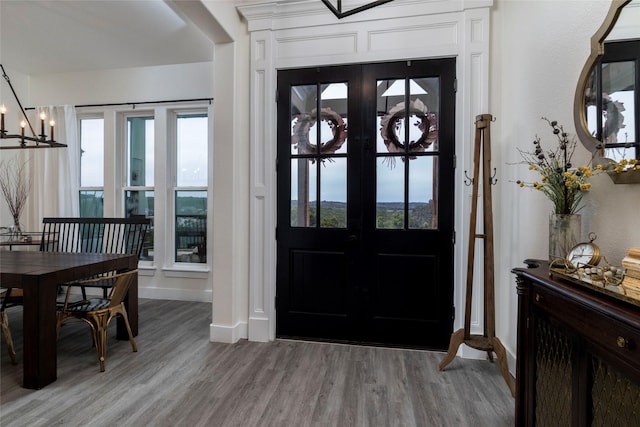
(94, 235)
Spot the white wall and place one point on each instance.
(124, 85)
(539, 48)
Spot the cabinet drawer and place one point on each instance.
(611, 336)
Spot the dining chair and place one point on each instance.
(10, 297)
(98, 312)
(94, 235)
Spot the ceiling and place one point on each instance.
(43, 37)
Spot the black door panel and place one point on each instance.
(365, 203)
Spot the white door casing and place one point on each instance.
(305, 33)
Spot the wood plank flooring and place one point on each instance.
(179, 378)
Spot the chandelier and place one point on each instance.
(25, 141)
(335, 6)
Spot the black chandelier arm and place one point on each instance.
(40, 142)
(340, 14)
(15, 95)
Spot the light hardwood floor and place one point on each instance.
(179, 378)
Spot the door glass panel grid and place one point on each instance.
(408, 140)
(318, 155)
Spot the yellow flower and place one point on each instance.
(599, 167)
(623, 162)
(585, 186)
(588, 172)
(618, 169)
(521, 184)
(567, 184)
(633, 161)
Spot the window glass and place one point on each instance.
(140, 138)
(192, 151)
(92, 152)
(141, 203)
(191, 226)
(91, 203)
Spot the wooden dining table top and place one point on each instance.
(15, 265)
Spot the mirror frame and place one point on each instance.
(597, 50)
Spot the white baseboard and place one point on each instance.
(259, 330)
(176, 294)
(228, 334)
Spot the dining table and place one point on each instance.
(39, 274)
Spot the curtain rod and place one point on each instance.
(133, 104)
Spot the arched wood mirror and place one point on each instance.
(607, 100)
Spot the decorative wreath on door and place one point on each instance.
(427, 124)
(304, 122)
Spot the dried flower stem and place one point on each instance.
(15, 185)
(561, 182)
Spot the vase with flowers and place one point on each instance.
(563, 184)
(15, 184)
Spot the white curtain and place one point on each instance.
(55, 171)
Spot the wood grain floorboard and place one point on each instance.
(179, 378)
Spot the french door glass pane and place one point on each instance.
(333, 193)
(141, 203)
(333, 119)
(192, 151)
(407, 119)
(318, 137)
(91, 203)
(389, 193)
(303, 193)
(140, 138)
(414, 128)
(92, 152)
(423, 189)
(304, 132)
(191, 226)
(333, 125)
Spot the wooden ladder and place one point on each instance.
(488, 341)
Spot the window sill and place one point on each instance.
(189, 270)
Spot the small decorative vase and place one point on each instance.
(564, 233)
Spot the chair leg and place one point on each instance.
(6, 332)
(101, 322)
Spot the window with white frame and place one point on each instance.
(153, 157)
(140, 160)
(190, 191)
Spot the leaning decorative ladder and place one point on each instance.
(488, 341)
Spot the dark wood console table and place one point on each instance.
(578, 356)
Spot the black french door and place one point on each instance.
(365, 203)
